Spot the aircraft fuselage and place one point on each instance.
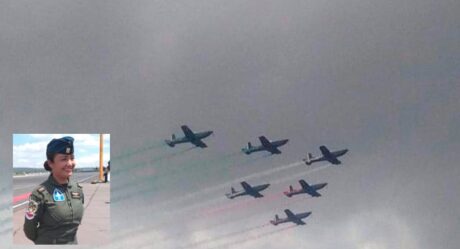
(306, 191)
(327, 155)
(197, 136)
(257, 188)
(297, 220)
(253, 149)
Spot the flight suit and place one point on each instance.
(54, 213)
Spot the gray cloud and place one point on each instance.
(377, 77)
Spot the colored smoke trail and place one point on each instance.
(269, 172)
(224, 185)
(172, 213)
(239, 205)
(253, 238)
(170, 171)
(146, 173)
(301, 174)
(120, 160)
(225, 236)
(173, 218)
(154, 159)
(216, 210)
(142, 230)
(153, 145)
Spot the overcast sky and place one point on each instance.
(377, 77)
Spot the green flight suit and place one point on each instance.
(54, 213)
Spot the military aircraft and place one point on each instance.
(270, 146)
(291, 217)
(248, 190)
(327, 156)
(306, 188)
(190, 137)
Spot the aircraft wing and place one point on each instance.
(333, 160)
(292, 217)
(269, 146)
(324, 150)
(250, 190)
(188, 133)
(328, 155)
(314, 193)
(311, 191)
(199, 143)
(304, 184)
(298, 221)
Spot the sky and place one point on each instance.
(29, 150)
(377, 77)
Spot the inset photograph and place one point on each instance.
(61, 189)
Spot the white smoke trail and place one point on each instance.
(227, 184)
(214, 200)
(225, 236)
(251, 238)
(301, 174)
(172, 213)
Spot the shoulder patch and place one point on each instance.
(31, 209)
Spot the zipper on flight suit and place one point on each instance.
(69, 201)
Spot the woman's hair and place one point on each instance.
(50, 157)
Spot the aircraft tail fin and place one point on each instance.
(247, 150)
(169, 143)
(276, 220)
(308, 159)
(289, 193)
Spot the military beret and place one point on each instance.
(62, 145)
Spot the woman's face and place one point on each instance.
(63, 165)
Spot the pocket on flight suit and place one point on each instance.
(54, 212)
(78, 208)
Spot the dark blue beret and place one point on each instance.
(62, 145)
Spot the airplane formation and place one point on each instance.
(272, 147)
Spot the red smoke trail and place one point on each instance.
(224, 185)
(210, 189)
(224, 236)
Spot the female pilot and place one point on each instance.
(56, 206)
